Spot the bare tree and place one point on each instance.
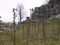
(21, 11)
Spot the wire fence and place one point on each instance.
(44, 32)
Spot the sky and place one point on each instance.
(6, 7)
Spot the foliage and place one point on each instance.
(52, 8)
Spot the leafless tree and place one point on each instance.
(21, 11)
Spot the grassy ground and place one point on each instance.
(32, 34)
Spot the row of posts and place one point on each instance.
(14, 42)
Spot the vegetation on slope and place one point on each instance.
(32, 34)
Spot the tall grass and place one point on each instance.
(32, 34)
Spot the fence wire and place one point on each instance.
(45, 32)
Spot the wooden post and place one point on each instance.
(14, 42)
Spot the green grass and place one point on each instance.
(33, 34)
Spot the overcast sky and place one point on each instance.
(7, 5)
